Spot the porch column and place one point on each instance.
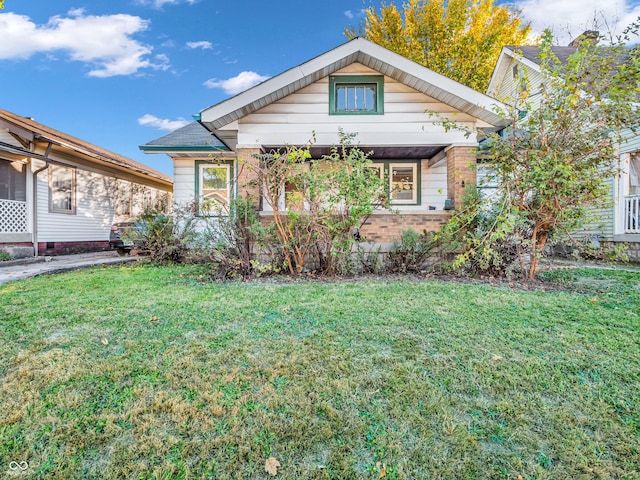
(246, 159)
(461, 172)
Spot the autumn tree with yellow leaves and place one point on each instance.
(460, 39)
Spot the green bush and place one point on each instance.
(411, 253)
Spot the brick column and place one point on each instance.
(461, 172)
(246, 159)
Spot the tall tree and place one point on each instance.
(460, 39)
(555, 164)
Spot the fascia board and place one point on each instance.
(469, 100)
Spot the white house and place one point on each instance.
(621, 221)
(59, 194)
(359, 87)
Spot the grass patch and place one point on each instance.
(152, 372)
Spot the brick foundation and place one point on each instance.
(68, 248)
(387, 228)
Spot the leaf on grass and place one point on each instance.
(105, 341)
(594, 300)
(496, 358)
(383, 469)
(271, 466)
(154, 319)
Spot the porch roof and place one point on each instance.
(192, 137)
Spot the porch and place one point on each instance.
(13, 217)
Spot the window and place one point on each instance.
(62, 189)
(13, 181)
(356, 95)
(293, 197)
(404, 181)
(213, 186)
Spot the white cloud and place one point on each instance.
(103, 42)
(149, 120)
(349, 14)
(237, 84)
(569, 18)
(202, 44)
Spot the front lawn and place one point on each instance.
(154, 372)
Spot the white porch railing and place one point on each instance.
(13, 216)
(632, 214)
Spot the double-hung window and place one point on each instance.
(403, 185)
(62, 189)
(213, 187)
(356, 95)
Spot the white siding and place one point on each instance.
(632, 143)
(95, 210)
(601, 220)
(508, 88)
(434, 186)
(184, 172)
(295, 118)
(96, 195)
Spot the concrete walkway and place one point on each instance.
(32, 267)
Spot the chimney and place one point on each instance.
(589, 36)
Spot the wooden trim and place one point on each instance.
(356, 80)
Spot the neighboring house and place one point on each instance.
(518, 68)
(59, 194)
(359, 87)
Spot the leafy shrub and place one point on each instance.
(4, 256)
(167, 238)
(410, 254)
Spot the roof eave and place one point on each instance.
(358, 50)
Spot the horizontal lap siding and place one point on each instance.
(95, 210)
(600, 222)
(434, 186)
(297, 117)
(184, 181)
(96, 195)
(508, 88)
(632, 143)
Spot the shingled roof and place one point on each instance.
(44, 133)
(192, 137)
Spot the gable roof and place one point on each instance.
(529, 56)
(30, 130)
(369, 54)
(192, 137)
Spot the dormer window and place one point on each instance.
(356, 95)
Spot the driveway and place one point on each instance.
(19, 269)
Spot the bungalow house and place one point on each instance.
(361, 88)
(619, 222)
(60, 194)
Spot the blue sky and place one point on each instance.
(120, 73)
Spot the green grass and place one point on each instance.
(153, 372)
